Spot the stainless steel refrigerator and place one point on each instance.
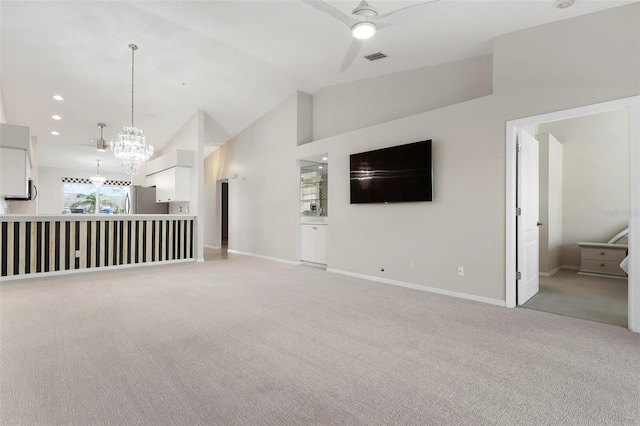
(141, 200)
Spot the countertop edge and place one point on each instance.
(90, 217)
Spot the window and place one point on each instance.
(81, 198)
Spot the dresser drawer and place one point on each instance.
(603, 254)
(602, 267)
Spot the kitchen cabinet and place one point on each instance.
(314, 243)
(172, 184)
(15, 171)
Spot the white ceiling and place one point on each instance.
(233, 59)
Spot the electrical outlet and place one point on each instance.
(460, 271)
(78, 253)
(410, 264)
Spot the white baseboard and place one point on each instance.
(551, 273)
(457, 294)
(98, 269)
(212, 247)
(259, 256)
(570, 267)
(595, 274)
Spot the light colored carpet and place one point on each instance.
(583, 296)
(245, 341)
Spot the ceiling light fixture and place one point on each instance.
(563, 4)
(363, 30)
(101, 144)
(131, 147)
(98, 180)
(56, 117)
(55, 133)
(58, 98)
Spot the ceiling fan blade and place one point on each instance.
(332, 11)
(400, 16)
(351, 54)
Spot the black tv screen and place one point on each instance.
(391, 175)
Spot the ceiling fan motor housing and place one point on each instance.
(365, 9)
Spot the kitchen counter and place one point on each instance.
(48, 244)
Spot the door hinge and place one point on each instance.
(518, 211)
(518, 275)
(518, 147)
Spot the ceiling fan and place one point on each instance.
(100, 144)
(364, 21)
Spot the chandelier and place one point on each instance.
(131, 147)
(98, 180)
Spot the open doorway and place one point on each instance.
(582, 203)
(514, 246)
(224, 219)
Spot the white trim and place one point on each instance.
(551, 273)
(315, 265)
(595, 274)
(570, 267)
(634, 218)
(496, 302)
(98, 269)
(511, 202)
(630, 104)
(259, 256)
(211, 247)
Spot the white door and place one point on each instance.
(308, 243)
(321, 244)
(527, 221)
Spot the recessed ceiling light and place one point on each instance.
(56, 117)
(319, 167)
(58, 98)
(55, 133)
(325, 158)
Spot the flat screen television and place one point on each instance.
(392, 175)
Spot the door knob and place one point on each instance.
(539, 223)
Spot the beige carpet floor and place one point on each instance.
(588, 297)
(243, 341)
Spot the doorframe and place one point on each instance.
(217, 235)
(632, 106)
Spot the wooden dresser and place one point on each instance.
(602, 259)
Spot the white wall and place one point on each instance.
(263, 198)
(191, 137)
(50, 188)
(3, 107)
(465, 224)
(351, 106)
(551, 154)
(595, 179)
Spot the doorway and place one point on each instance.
(514, 244)
(224, 219)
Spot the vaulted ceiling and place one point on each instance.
(233, 59)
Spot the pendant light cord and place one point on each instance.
(133, 49)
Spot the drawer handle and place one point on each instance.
(602, 264)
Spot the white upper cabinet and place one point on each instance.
(15, 160)
(171, 175)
